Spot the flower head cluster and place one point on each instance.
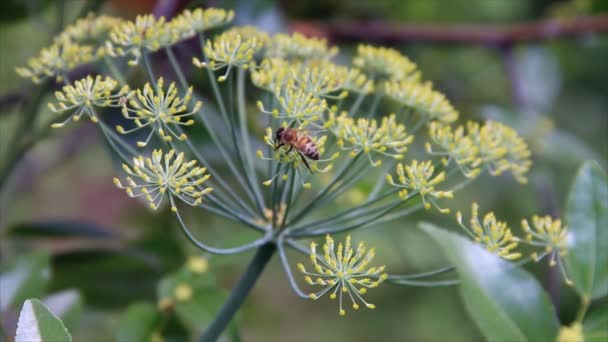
(298, 47)
(297, 104)
(294, 159)
(135, 37)
(158, 109)
(500, 149)
(92, 29)
(85, 95)
(230, 49)
(56, 60)
(199, 20)
(494, 235)
(387, 138)
(381, 62)
(421, 97)
(548, 233)
(420, 178)
(342, 271)
(162, 174)
(455, 146)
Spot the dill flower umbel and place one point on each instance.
(297, 104)
(388, 138)
(229, 49)
(381, 62)
(57, 60)
(430, 104)
(343, 271)
(85, 95)
(165, 174)
(500, 149)
(494, 235)
(420, 178)
(454, 146)
(92, 29)
(158, 109)
(298, 47)
(548, 233)
(200, 20)
(136, 37)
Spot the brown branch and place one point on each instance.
(491, 35)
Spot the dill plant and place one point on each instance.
(270, 190)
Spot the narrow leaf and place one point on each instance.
(37, 324)
(67, 305)
(138, 323)
(26, 277)
(587, 221)
(505, 301)
(595, 327)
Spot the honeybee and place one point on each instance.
(302, 143)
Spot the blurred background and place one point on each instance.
(538, 65)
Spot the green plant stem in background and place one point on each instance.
(240, 292)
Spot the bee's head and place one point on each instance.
(279, 133)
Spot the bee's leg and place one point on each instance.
(278, 146)
(290, 148)
(305, 162)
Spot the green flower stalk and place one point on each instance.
(283, 189)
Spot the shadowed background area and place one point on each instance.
(539, 66)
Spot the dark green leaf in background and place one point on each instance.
(595, 326)
(138, 323)
(587, 221)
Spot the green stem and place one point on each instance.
(240, 292)
(585, 301)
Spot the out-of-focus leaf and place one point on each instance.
(505, 301)
(108, 280)
(26, 277)
(138, 322)
(37, 323)
(205, 301)
(587, 221)
(60, 229)
(563, 147)
(67, 305)
(595, 327)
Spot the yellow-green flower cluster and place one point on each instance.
(286, 155)
(454, 145)
(57, 60)
(387, 138)
(159, 109)
(135, 37)
(92, 29)
(500, 149)
(381, 62)
(298, 47)
(85, 95)
(297, 105)
(492, 146)
(230, 49)
(494, 235)
(547, 233)
(165, 174)
(343, 271)
(421, 97)
(420, 178)
(199, 20)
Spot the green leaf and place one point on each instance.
(24, 278)
(37, 323)
(505, 301)
(138, 323)
(587, 221)
(595, 326)
(67, 305)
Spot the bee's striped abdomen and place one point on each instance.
(308, 147)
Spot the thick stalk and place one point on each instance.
(240, 292)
